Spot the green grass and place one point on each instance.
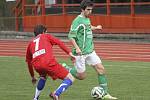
(126, 80)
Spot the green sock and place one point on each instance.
(73, 71)
(103, 82)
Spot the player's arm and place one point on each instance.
(98, 27)
(78, 51)
(30, 67)
(60, 43)
(56, 41)
(72, 36)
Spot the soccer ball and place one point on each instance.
(97, 92)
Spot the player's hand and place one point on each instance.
(78, 51)
(72, 57)
(34, 80)
(99, 27)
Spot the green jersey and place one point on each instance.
(81, 32)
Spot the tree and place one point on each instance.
(2, 7)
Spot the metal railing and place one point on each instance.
(107, 8)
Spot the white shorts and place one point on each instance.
(90, 59)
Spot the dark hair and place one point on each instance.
(86, 3)
(39, 29)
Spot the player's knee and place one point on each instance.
(100, 69)
(44, 77)
(81, 76)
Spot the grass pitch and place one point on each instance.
(126, 80)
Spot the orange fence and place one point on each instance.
(128, 17)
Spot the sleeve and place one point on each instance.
(28, 61)
(56, 41)
(73, 29)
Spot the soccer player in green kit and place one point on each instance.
(81, 37)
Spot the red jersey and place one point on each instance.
(39, 51)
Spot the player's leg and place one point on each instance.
(79, 70)
(103, 81)
(62, 73)
(101, 76)
(40, 86)
(72, 70)
(95, 61)
(67, 82)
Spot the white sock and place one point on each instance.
(37, 93)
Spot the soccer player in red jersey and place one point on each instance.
(39, 56)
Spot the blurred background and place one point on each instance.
(114, 15)
(121, 19)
